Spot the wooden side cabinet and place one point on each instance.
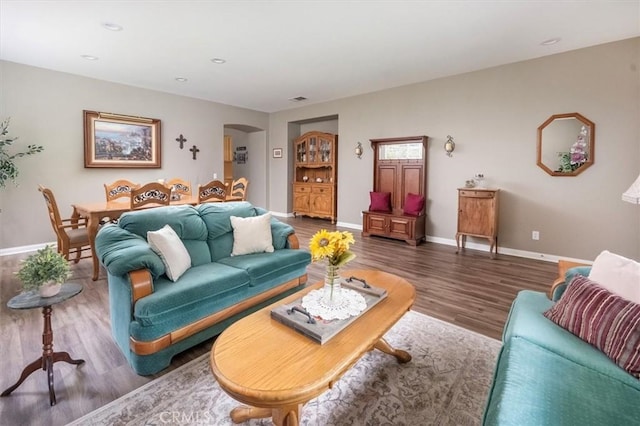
(478, 217)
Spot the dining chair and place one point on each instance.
(238, 191)
(71, 234)
(214, 190)
(119, 189)
(151, 193)
(179, 186)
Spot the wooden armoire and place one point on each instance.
(399, 167)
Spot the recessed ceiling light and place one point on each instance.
(550, 41)
(89, 57)
(218, 61)
(298, 99)
(111, 26)
(181, 79)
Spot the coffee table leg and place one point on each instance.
(402, 356)
(243, 413)
(287, 416)
(283, 416)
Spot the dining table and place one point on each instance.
(95, 212)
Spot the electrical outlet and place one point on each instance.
(535, 235)
(215, 176)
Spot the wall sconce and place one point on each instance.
(449, 146)
(359, 150)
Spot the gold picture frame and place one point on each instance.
(121, 141)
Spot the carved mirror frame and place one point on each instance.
(590, 144)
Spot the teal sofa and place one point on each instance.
(154, 318)
(547, 376)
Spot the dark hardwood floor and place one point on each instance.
(469, 290)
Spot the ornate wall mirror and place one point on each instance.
(566, 144)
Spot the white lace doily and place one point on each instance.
(351, 305)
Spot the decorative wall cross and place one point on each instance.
(181, 140)
(195, 151)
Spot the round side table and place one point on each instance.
(32, 300)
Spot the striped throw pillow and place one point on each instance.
(603, 319)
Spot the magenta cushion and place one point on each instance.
(603, 319)
(413, 204)
(380, 201)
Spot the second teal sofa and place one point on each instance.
(545, 375)
(154, 318)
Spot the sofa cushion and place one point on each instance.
(280, 231)
(184, 220)
(121, 252)
(217, 218)
(535, 386)
(526, 320)
(173, 253)
(266, 268)
(251, 234)
(607, 321)
(617, 274)
(196, 295)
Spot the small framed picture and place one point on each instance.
(277, 152)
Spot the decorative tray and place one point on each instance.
(319, 330)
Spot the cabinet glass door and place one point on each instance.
(313, 147)
(326, 151)
(301, 152)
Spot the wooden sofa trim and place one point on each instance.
(563, 267)
(141, 284)
(153, 346)
(293, 241)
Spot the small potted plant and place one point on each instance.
(44, 271)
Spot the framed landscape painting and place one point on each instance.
(121, 141)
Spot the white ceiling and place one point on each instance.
(276, 50)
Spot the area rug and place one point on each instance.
(446, 383)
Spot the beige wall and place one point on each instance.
(493, 116)
(46, 108)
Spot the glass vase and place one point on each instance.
(332, 290)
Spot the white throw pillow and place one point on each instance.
(171, 250)
(617, 274)
(251, 234)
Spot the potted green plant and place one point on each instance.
(44, 271)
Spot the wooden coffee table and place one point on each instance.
(275, 370)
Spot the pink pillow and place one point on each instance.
(380, 201)
(413, 204)
(601, 318)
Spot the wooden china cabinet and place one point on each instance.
(315, 175)
(399, 167)
(478, 217)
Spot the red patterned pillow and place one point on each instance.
(603, 319)
(380, 201)
(413, 204)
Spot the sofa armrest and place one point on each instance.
(141, 284)
(566, 271)
(293, 242)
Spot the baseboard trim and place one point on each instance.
(438, 240)
(25, 249)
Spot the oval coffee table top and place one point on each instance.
(263, 363)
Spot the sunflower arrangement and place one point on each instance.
(333, 246)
